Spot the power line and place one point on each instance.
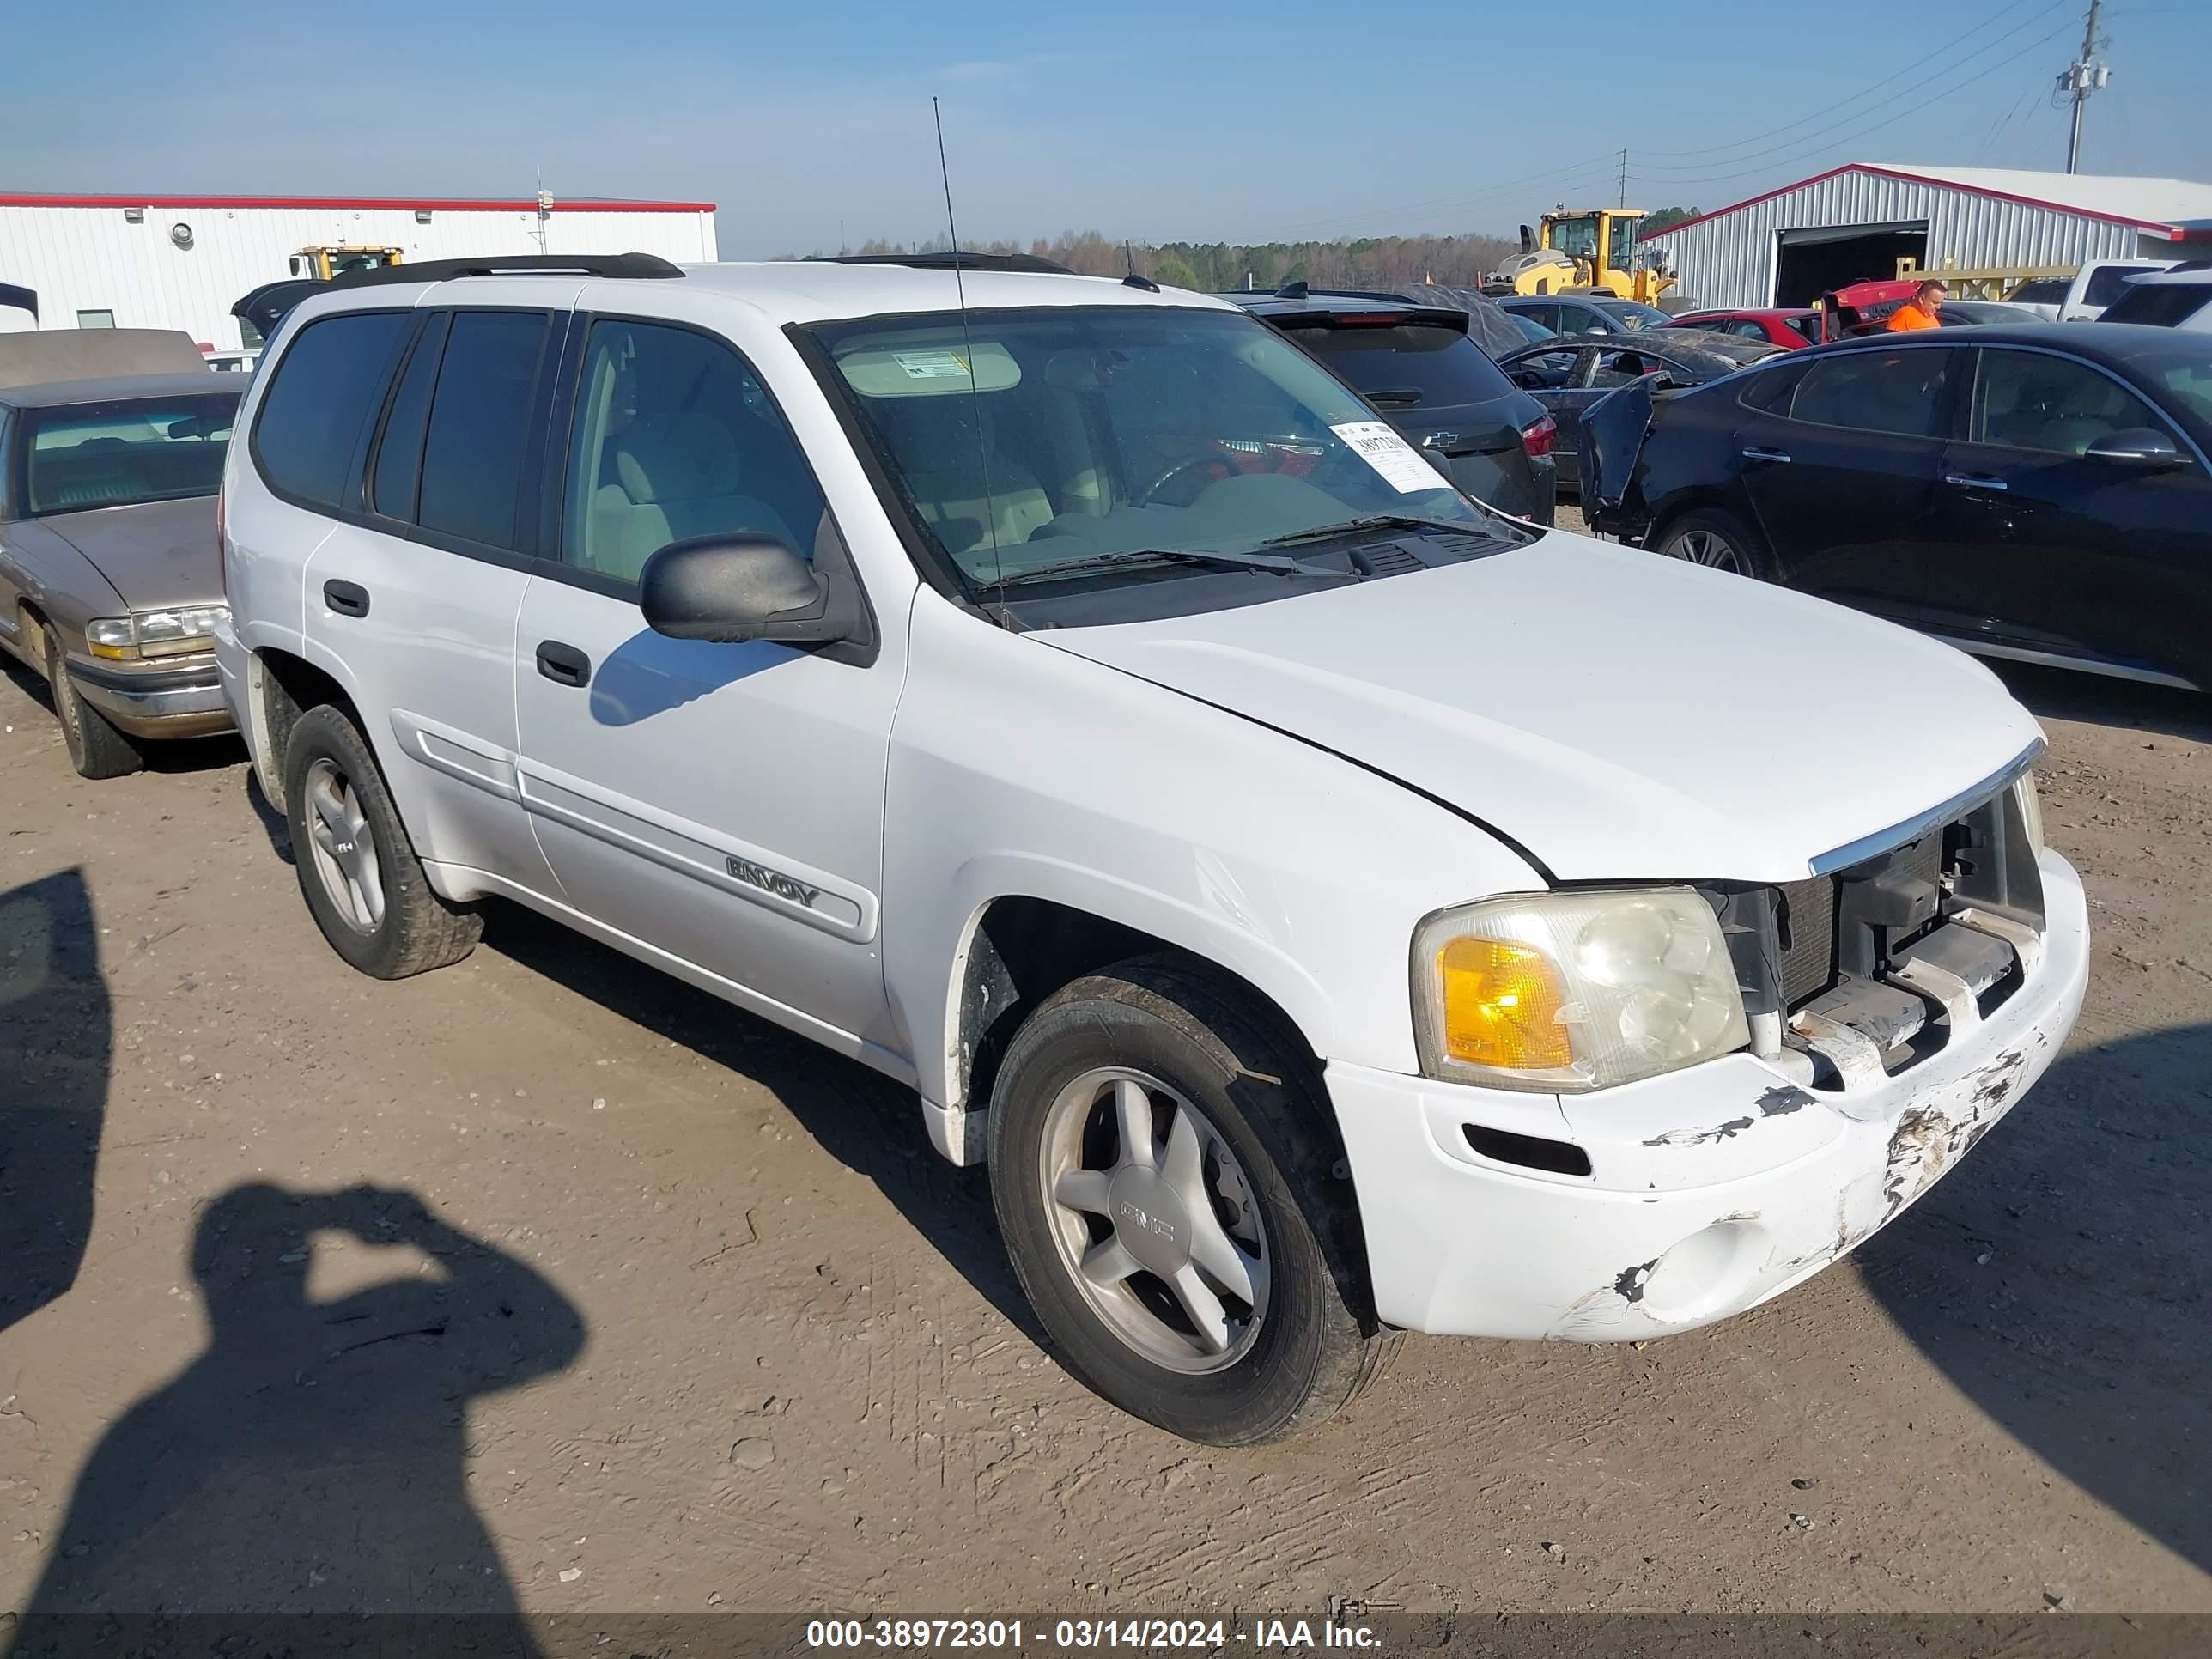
(1767, 163)
(1805, 120)
(1800, 148)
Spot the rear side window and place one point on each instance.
(1410, 365)
(327, 389)
(1807, 326)
(1548, 371)
(480, 426)
(1895, 392)
(2162, 304)
(1769, 392)
(398, 466)
(2107, 284)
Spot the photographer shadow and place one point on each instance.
(2079, 1323)
(313, 1460)
(56, 1037)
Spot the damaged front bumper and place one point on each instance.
(1669, 1204)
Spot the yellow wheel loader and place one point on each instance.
(1582, 251)
(327, 259)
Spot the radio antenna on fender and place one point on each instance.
(968, 346)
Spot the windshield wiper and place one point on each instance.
(1325, 533)
(1278, 564)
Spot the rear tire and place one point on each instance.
(357, 869)
(1204, 1270)
(1716, 539)
(95, 748)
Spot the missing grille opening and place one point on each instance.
(1529, 1151)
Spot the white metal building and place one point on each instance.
(182, 261)
(1853, 223)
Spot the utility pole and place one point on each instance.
(2084, 76)
(1624, 178)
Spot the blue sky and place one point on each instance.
(1240, 122)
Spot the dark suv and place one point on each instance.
(1418, 366)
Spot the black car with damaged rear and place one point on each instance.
(2038, 493)
(1430, 380)
(1569, 376)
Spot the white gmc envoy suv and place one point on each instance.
(1330, 907)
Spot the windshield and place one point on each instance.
(2191, 383)
(1024, 440)
(127, 451)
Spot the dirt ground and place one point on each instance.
(545, 1281)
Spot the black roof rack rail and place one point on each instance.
(949, 261)
(584, 265)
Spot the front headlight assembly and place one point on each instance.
(1574, 991)
(171, 633)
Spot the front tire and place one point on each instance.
(1166, 1177)
(1716, 539)
(357, 869)
(95, 748)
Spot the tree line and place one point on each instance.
(1377, 262)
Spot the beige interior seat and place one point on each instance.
(943, 473)
(676, 476)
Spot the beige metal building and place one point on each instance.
(1853, 223)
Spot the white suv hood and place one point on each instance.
(1620, 715)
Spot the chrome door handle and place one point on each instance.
(1974, 481)
(1777, 456)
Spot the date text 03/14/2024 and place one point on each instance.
(1212, 1635)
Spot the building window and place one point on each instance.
(95, 319)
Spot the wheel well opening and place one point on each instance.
(290, 686)
(1024, 950)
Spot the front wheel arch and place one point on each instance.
(1018, 950)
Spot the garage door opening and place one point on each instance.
(1812, 261)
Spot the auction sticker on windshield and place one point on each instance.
(930, 365)
(1398, 461)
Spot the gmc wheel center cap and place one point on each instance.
(1150, 1220)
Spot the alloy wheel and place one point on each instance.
(1155, 1219)
(1707, 547)
(342, 848)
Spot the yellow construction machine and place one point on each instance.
(1582, 251)
(327, 259)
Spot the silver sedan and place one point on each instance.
(110, 583)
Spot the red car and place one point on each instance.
(1786, 326)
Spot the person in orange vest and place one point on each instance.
(1924, 310)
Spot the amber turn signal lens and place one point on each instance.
(1502, 1003)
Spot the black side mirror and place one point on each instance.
(736, 588)
(2136, 445)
